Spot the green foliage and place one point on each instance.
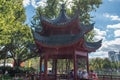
(14, 34)
(28, 69)
(10, 17)
(107, 63)
(103, 64)
(23, 69)
(11, 20)
(6, 77)
(5, 68)
(12, 71)
(83, 7)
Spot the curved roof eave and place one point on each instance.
(59, 40)
(87, 28)
(92, 46)
(58, 22)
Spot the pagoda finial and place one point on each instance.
(63, 7)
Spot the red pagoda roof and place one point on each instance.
(61, 20)
(67, 40)
(70, 35)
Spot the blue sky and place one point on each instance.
(107, 24)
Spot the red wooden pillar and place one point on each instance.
(41, 68)
(45, 65)
(75, 67)
(55, 69)
(87, 59)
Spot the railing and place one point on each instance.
(66, 77)
(109, 77)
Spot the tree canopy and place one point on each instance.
(11, 19)
(14, 33)
(101, 64)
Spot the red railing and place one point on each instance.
(66, 77)
(109, 77)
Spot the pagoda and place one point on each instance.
(63, 38)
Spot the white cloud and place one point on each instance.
(112, 17)
(42, 3)
(107, 45)
(100, 54)
(69, 3)
(115, 26)
(99, 34)
(34, 3)
(117, 33)
(26, 3)
(113, 45)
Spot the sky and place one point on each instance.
(107, 24)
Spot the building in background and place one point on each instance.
(118, 56)
(114, 56)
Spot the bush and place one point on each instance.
(6, 77)
(6, 68)
(16, 70)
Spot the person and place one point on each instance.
(50, 72)
(93, 75)
(6, 72)
(0, 73)
(71, 74)
(16, 77)
(80, 73)
(84, 74)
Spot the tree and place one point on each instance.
(96, 64)
(83, 7)
(14, 34)
(104, 65)
(107, 64)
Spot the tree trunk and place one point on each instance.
(17, 63)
